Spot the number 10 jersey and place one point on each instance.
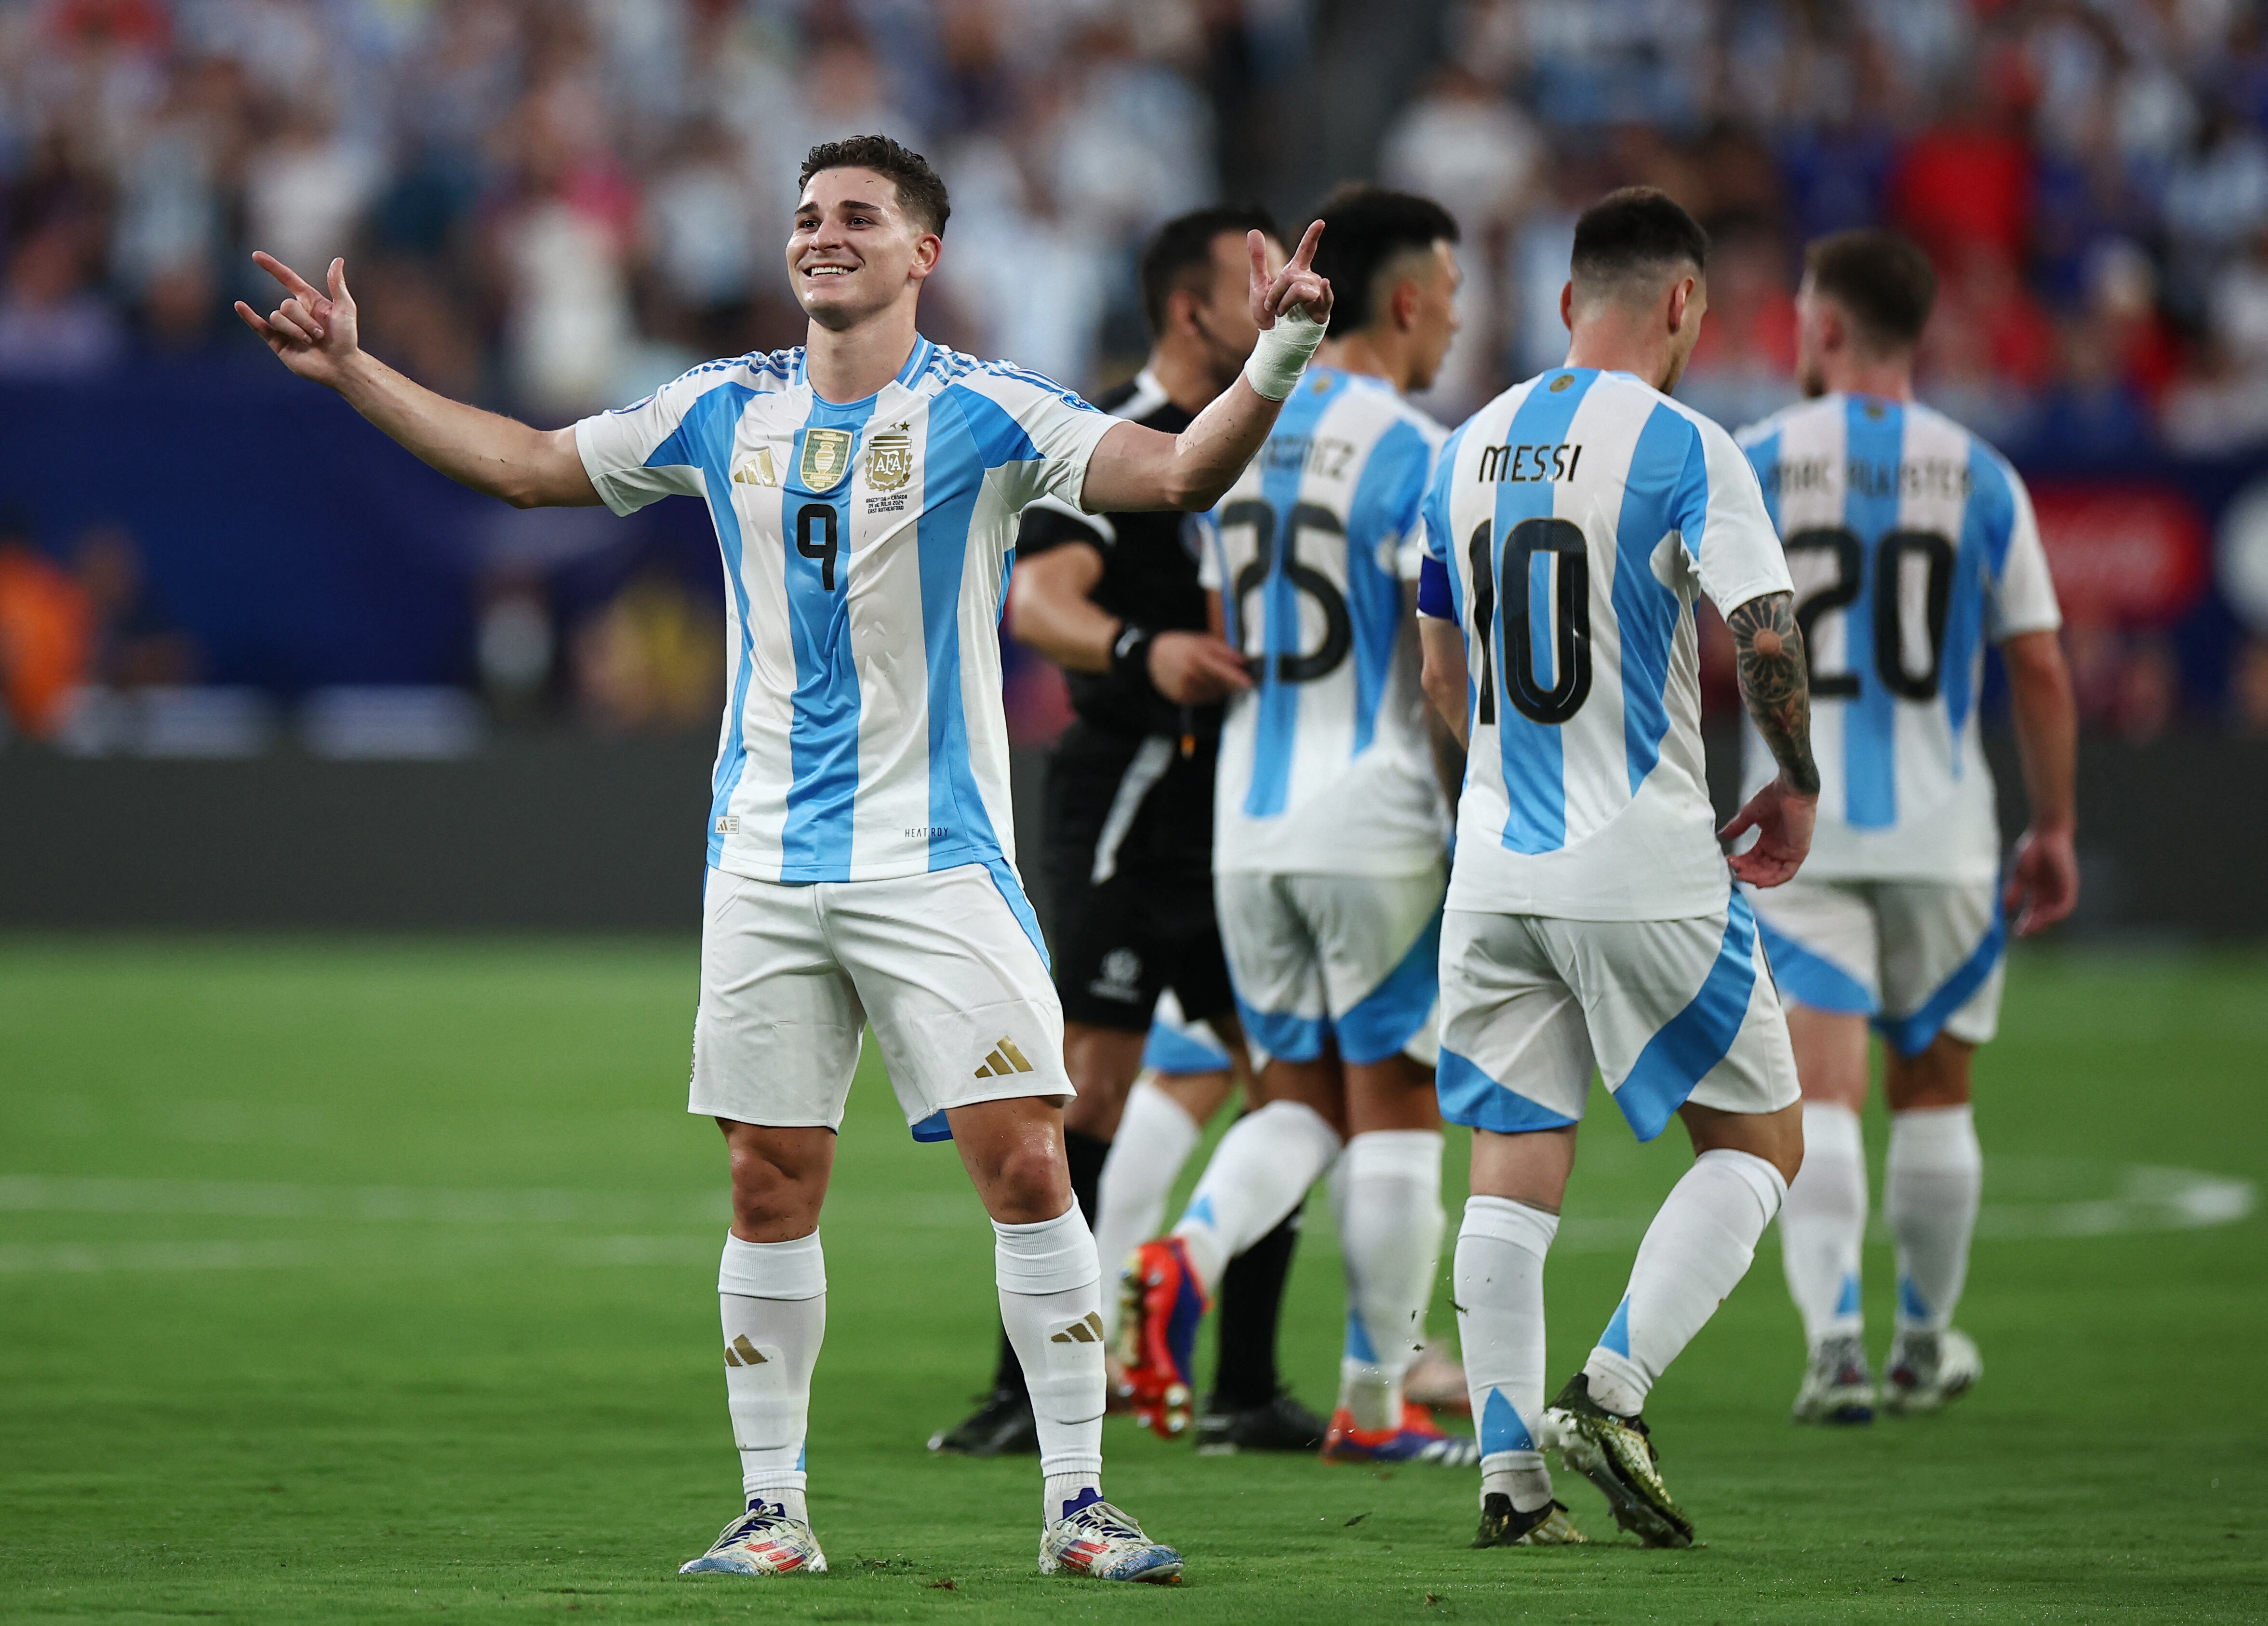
(1574, 520)
(1911, 543)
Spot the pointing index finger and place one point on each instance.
(285, 275)
(1306, 257)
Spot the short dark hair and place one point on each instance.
(1184, 244)
(1632, 232)
(921, 190)
(1883, 280)
(1365, 228)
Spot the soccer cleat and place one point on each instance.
(1098, 1540)
(1161, 1304)
(763, 1540)
(1001, 1427)
(1837, 1385)
(1502, 1526)
(1926, 1369)
(1418, 1439)
(1282, 1424)
(1616, 1454)
(1436, 1380)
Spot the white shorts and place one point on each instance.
(1668, 1011)
(1177, 1047)
(1352, 959)
(948, 966)
(1918, 957)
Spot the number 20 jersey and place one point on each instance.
(866, 553)
(1325, 767)
(1579, 516)
(1911, 543)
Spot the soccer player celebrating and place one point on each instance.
(1114, 599)
(1571, 525)
(864, 489)
(1328, 843)
(1911, 543)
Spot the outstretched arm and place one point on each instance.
(1135, 468)
(315, 335)
(2043, 876)
(1777, 689)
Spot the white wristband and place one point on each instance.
(1282, 354)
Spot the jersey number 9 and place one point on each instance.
(1571, 655)
(1338, 626)
(821, 547)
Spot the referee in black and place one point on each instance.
(1114, 600)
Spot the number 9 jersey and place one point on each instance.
(1911, 543)
(1571, 524)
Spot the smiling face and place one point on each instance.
(855, 249)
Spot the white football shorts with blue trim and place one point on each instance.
(948, 966)
(1667, 1011)
(1918, 957)
(1351, 959)
(1178, 1047)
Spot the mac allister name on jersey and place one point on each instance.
(866, 550)
(1911, 543)
(1324, 763)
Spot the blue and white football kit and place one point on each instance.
(1570, 526)
(1911, 543)
(1329, 827)
(861, 848)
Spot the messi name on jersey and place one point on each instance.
(1516, 465)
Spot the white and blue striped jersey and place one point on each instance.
(867, 555)
(1911, 543)
(1577, 517)
(1324, 767)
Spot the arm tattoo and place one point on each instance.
(1774, 682)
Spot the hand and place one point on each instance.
(1196, 668)
(312, 333)
(1296, 285)
(2043, 881)
(1782, 818)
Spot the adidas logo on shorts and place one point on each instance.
(1088, 1331)
(1003, 1060)
(740, 1352)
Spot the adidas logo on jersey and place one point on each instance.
(1003, 1060)
(758, 470)
(740, 1352)
(1087, 1331)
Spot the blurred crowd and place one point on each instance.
(552, 205)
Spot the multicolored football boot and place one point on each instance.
(1418, 1439)
(763, 1540)
(1096, 1539)
(1616, 1454)
(1161, 1301)
(1926, 1369)
(1838, 1387)
(1503, 1526)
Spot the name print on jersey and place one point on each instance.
(1321, 455)
(1521, 465)
(1921, 477)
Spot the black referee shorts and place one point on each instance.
(1129, 851)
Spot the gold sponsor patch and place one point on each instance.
(889, 461)
(826, 459)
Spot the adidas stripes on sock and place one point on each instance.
(1499, 1296)
(1822, 1225)
(1259, 1173)
(772, 1298)
(1051, 1303)
(1931, 1183)
(1155, 1138)
(1699, 1246)
(1391, 1236)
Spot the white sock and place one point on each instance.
(1499, 1296)
(1822, 1225)
(1931, 1186)
(1259, 1173)
(1155, 1138)
(1699, 1246)
(772, 1297)
(1051, 1303)
(1390, 1238)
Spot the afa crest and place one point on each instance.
(889, 460)
(826, 459)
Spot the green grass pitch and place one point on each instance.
(355, 1280)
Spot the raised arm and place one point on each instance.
(315, 335)
(2043, 876)
(1777, 689)
(1138, 467)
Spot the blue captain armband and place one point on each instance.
(1433, 590)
